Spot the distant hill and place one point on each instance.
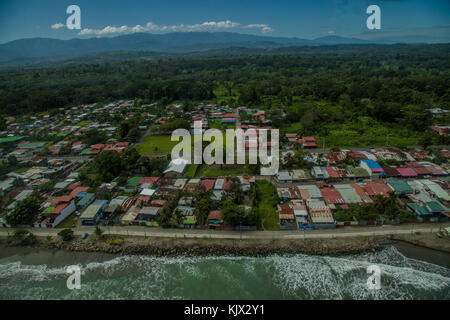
(38, 49)
(330, 40)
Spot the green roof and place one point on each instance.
(134, 181)
(349, 195)
(10, 139)
(49, 210)
(85, 151)
(359, 172)
(435, 206)
(86, 199)
(190, 220)
(418, 209)
(32, 145)
(91, 211)
(400, 186)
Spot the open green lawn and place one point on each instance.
(267, 205)
(190, 171)
(376, 136)
(226, 170)
(156, 144)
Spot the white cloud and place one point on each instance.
(151, 27)
(57, 25)
(331, 32)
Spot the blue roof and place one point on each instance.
(372, 164)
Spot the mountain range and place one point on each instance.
(39, 49)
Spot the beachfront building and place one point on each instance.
(92, 215)
(321, 216)
(53, 215)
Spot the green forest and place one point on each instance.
(348, 88)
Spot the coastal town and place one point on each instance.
(109, 165)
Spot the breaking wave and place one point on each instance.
(275, 277)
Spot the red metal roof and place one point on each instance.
(286, 208)
(418, 168)
(157, 202)
(332, 172)
(215, 215)
(391, 172)
(59, 208)
(122, 144)
(332, 196)
(78, 190)
(374, 188)
(208, 184)
(149, 180)
(407, 172)
(360, 191)
(63, 199)
(227, 184)
(73, 186)
(97, 146)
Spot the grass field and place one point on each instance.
(190, 171)
(376, 136)
(267, 205)
(361, 134)
(216, 171)
(156, 144)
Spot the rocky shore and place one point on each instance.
(206, 247)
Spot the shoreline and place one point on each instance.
(425, 247)
(201, 247)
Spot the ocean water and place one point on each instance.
(42, 275)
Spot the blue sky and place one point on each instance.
(293, 18)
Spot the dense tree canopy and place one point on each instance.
(26, 211)
(402, 74)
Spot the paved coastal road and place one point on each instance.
(341, 232)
